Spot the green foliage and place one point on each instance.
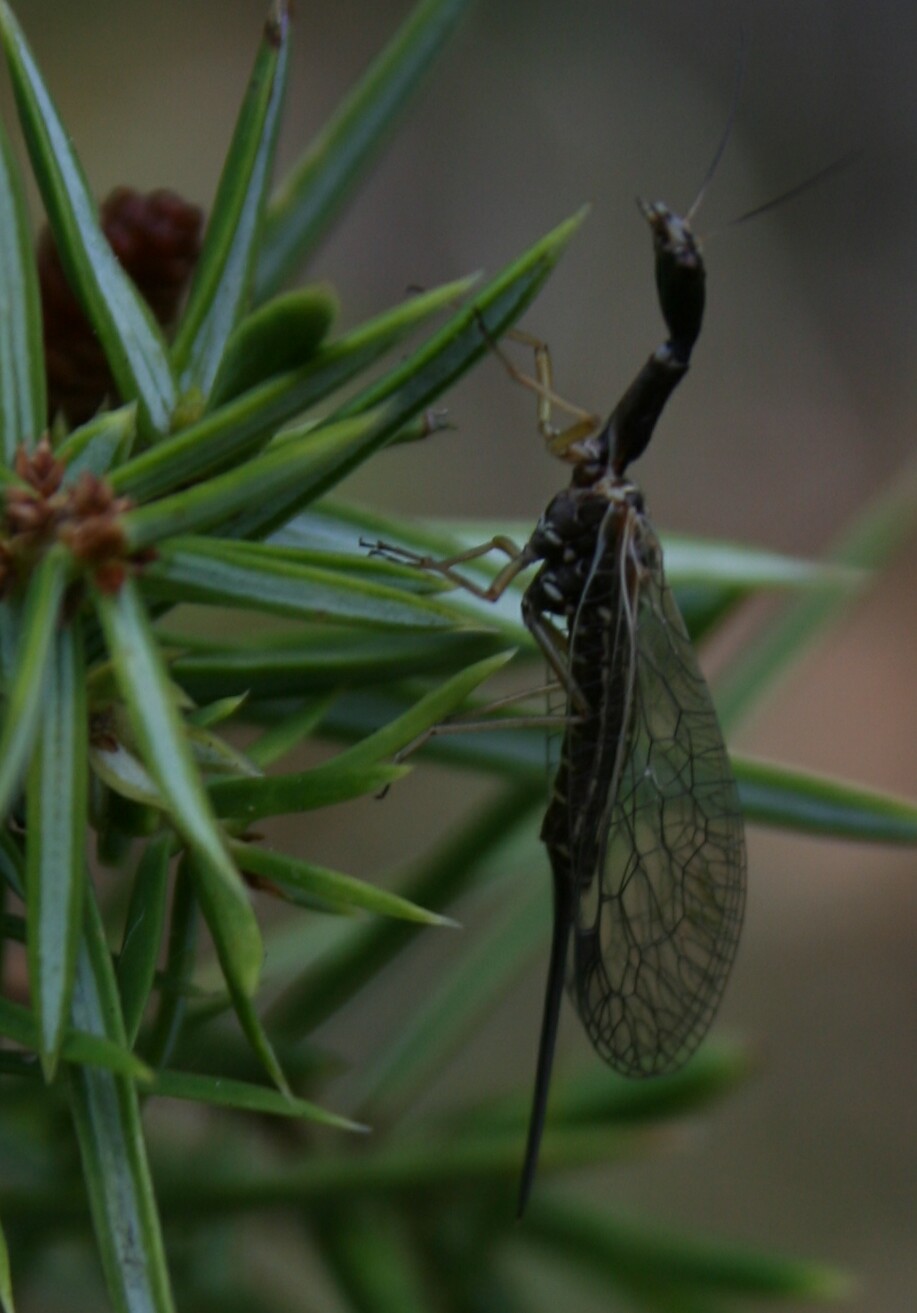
(209, 485)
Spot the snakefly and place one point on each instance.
(643, 828)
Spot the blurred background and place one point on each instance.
(800, 409)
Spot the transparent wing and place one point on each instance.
(658, 916)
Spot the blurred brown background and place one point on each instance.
(800, 408)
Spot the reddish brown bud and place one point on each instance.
(85, 517)
(39, 467)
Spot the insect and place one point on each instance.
(643, 828)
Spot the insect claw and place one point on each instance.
(388, 552)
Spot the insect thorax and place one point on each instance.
(579, 526)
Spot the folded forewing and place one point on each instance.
(658, 919)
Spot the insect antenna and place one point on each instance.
(814, 179)
(727, 130)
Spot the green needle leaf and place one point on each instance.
(282, 737)
(222, 1092)
(373, 1253)
(703, 561)
(166, 753)
(315, 458)
(280, 336)
(56, 842)
(330, 887)
(80, 1047)
(327, 660)
(258, 1038)
(312, 193)
(98, 445)
(223, 572)
(130, 336)
(9, 639)
(814, 804)
(622, 1252)
(225, 435)
(6, 1281)
(22, 375)
(433, 708)
(599, 1095)
(107, 1120)
(248, 800)
(184, 921)
(89, 1050)
(221, 281)
(35, 639)
(143, 927)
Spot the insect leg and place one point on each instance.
(520, 559)
(554, 648)
(559, 442)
